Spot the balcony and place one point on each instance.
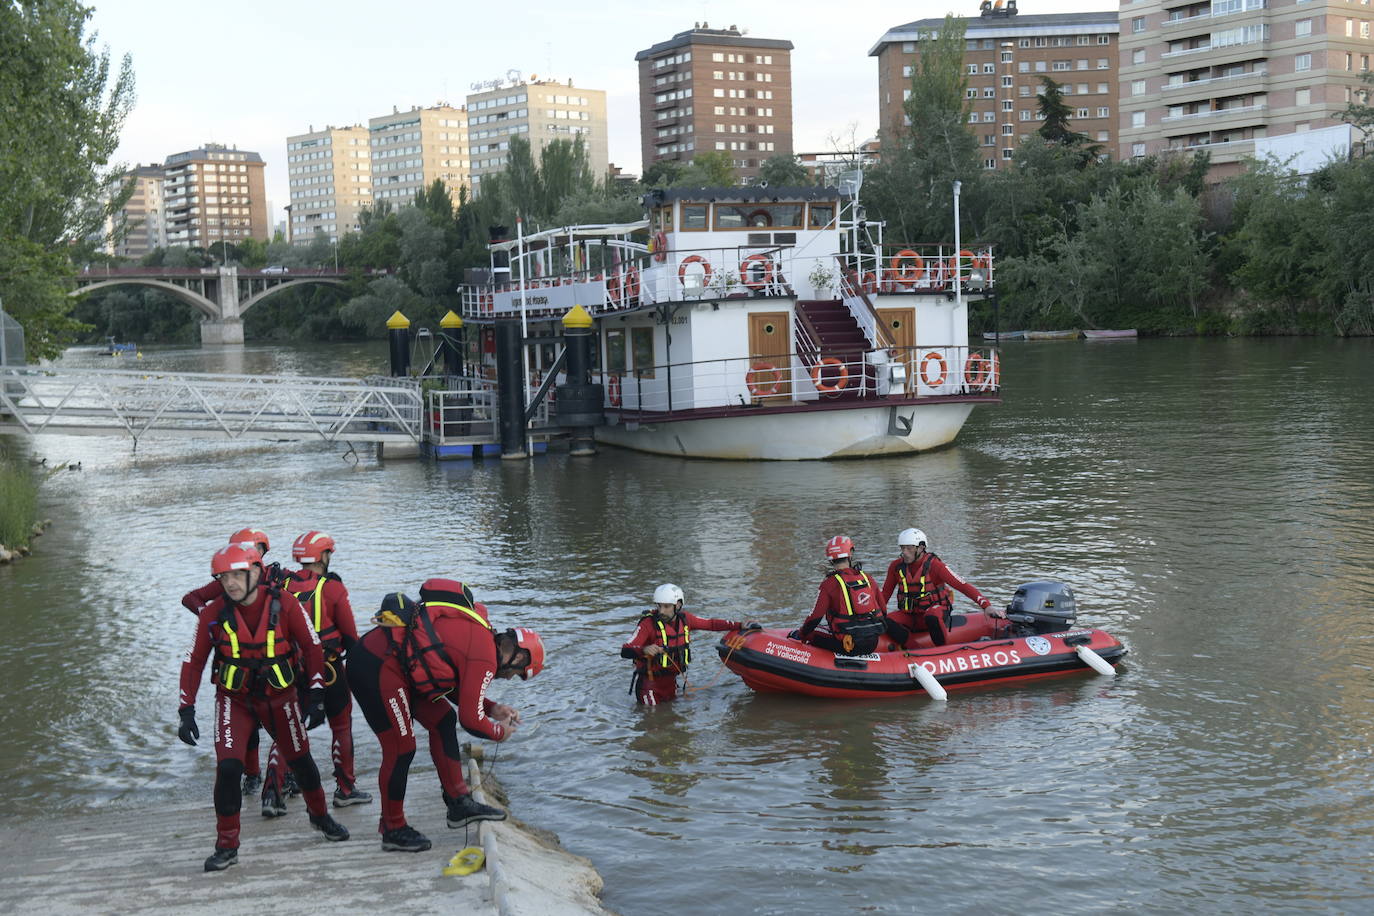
(1172, 23)
(1211, 114)
(1198, 50)
(1215, 80)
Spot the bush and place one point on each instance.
(18, 501)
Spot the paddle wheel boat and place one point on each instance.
(752, 323)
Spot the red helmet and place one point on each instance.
(253, 536)
(309, 547)
(235, 556)
(838, 547)
(529, 640)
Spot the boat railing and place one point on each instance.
(742, 384)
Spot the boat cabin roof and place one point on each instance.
(660, 197)
(564, 234)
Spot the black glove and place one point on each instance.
(753, 625)
(188, 732)
(795, 634)
(314, 709)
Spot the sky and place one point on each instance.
(252, 72)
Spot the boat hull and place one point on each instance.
(798, 436)
(769, 662)
(1110, 334)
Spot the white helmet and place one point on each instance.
(910, 537)
(667, 593)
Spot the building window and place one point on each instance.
(1023, 43)
(990, 116)
(1104, 112)
(1303, 97)
(1006, 154)
(1082, 113)
(1303, 28)
(1061, 65)
(1137, 119)
(1023, 91)
(1364, 29)
(1023, 115)
(907, 71)
(1102, 64)
(1041, 66)
(1023, 67)
(1006, 57)
(989, 68)
(1084, 39)
(1137, 87)
(972, 69)
(989, 92)
(989, 163)
(1137, 149)
(1006, 82)
(1302, 62)
(1103, 136)
(1104, 39)
(1138, 56)
(1138, 24)
(970, 93)
(1006, 130)
(1006, 106)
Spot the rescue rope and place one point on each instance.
(733, 644)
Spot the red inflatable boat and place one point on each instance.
(1036, 640)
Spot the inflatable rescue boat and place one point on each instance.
(1037, 639)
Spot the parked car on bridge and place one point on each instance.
(276, 269)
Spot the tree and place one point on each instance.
(783, 171)
(60, 117)
(661, 174)
(714, 169)
(1359, 112)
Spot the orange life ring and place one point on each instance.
(694, 259)
(660, 246)
(746, 268)
(613, 286)
(977, 369)
(904, 271)
(818, 376)
(870, 282)
(631, 287)
(613, 391)
(954, 264)
(925, 376)
(995, 375)
(759, 388)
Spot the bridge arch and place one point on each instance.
(258, 297)
(206, 307)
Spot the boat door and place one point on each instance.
(901, 328)
(770, 345)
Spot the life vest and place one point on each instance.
(918, 593)
(857, 630)
(244, 663)
(431, 669)
(676, 639)
(311, 597)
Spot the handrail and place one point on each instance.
(808, 348)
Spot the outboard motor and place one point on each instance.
(1042, 607)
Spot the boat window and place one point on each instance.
(821, 215)
(694, 216)
(754, 215)
(665, 219)
(615, 351)
(642, 341)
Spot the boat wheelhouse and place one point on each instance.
(755, 323)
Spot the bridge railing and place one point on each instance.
(207, 405)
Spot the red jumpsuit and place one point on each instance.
(390, 703)
(923, 593)
(325, 601)
(656, 676)
(239, 712)
(819, 626)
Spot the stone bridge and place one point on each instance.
(220, 294)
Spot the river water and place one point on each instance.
(1209, 500)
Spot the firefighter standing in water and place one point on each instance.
(196, 600)
(431, 663)
(325, 599)
(661, 645)
(923, 585)
(849, 614)
(257, 634)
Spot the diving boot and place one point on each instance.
(465, 809)
(273, 805)
(252, 783)
(405, 839)
(222, 859)
(331, 828)
(354, 796)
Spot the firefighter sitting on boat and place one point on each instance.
(849, 615)
(661, 645)
(925, 588)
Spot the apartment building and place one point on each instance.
(140, 225)
(410, 149)
(715, 90)
(1005, 56)
(214, 193)
(540, 111)
(1231, 76)
(329, 175)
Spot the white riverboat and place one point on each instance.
(754, 323)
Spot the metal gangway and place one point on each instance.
(139, 404)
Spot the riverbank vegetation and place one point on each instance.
(18, 499)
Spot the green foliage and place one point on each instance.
(783, 171)
(1054, 122)
(18, 499)
(1359, 112)
(713, 169)
(61, 110)
(662, 174)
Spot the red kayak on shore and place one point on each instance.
(1036, 640)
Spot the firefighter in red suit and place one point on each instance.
(258, 635)
(325, 599)
(196, 600)
(923, 584)
(661, 645)
(431, 663)
(849, 614)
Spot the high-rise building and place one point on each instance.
(330, 176)
(1005, 56)
(540, 111)
(141, 224)
(410, 149)
(1229, 76)
(715, 90)
(213, 194)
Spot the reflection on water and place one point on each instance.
(1210, 501)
